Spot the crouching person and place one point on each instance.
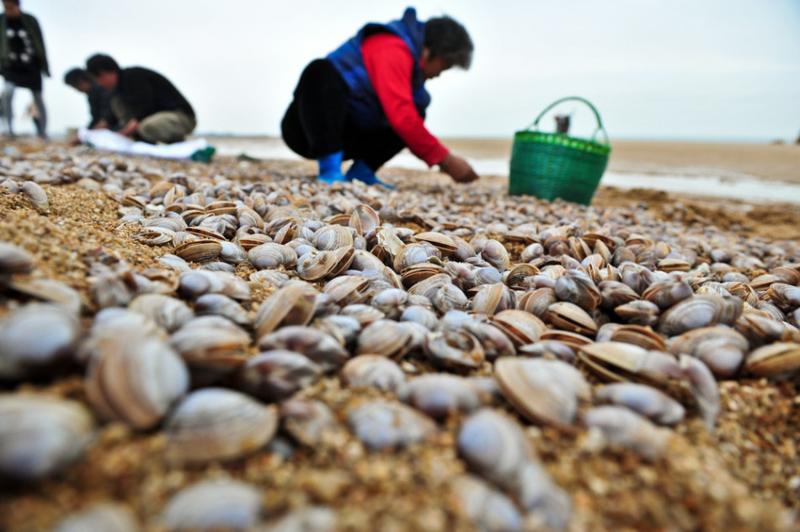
(146, 104)
(366, 100)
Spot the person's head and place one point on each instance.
(78, 79)
(104, 70)
(11, 8)
(447, 44)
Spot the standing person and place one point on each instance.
(367, 100)
(23, 60)
(146, 104)
(99, 98)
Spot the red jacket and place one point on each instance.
(389, 64)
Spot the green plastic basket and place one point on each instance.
(555, 165)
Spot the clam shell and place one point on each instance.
(308, 421)
(199, 250)
(221, 305)
(37, 195)
(487, 508)
(385, 337)
(165, 311)
(645, 400)
(218, 424)
(440, 395)
(213, 505)
(571, 317)
(389, 425)
(620, 426)
(544, 391)
(48, 291)
(34, 337)
(306, 519)
(135, 379)
(270, 256)
(455, 349)
(291, 305)
(14, 259)
(373, 371)
(721, 348)
(108, 517)
(700, 311)
(317, 345)
(41, 435)
(773, 360)
(521, 327)
(620, 362)
(276, 375)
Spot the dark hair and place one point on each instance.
(76, 76)
(448, 39)
(101, 63)
(15, 2)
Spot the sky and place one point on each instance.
(655, 69)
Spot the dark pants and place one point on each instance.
(316, 123)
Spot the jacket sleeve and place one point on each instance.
(43, 63)
(389, 65)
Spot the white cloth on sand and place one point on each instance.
(104, 139)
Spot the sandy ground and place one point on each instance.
(733, 160)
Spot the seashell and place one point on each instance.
(537, 301)
(316, 266)
(135, 379)
(270, 278)
(212, 346)
(308, 421)
(35, 337)
(544, 391)
(578, 288)
(448, 297)
(344, 328)
(41, 435)
(37, 195)
(14, 259)
(640, 335)
(784, 295)
(495, 254)
(385, 337)
(493, 298)
(704, 388)
(195, 283)
(454, 349)
(644, 400)
(571, 339)
(440, 395)
(232, 253)
(221, 305)
(700, 311)
(495, 342)
(174, 262)
(391, 302)
(347, 289)
(552, 349)
(203, 250)
(665, 294)
(155, 236)
(213, 505)
(317, 345)
(446, 245)
(271, 256)
(496, 448)
(249, 217)
(773, 360)
(108, 517)
(638, 312)
(389, 425)
(487, 508)
(165, 311)
(533, 251)
(10, 186)
(48, 291)
(276, 375)
(373, 371)
(415, 254)
(571, 317)
(635, 276)
(291, 305)
(248, 242)
(364, 219)
(521, 276)
(620, 426)
(721, 348)
(621, 362)
(218, 424)
(306, 519)
(521, 327)
(615, 294)
(332, 237)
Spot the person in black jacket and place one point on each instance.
(23, 60)
(147, 105)
(99, 98)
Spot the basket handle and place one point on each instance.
(599, 129)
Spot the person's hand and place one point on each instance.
(102, 124)
(458, 168)
(129, 128)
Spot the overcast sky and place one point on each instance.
(695, 69)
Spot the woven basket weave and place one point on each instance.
(555, 165)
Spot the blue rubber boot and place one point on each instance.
(360, 171)
(330, 168)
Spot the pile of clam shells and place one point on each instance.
(497, 312)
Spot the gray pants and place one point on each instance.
(8, 109)
(166, 127)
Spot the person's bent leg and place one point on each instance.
(41, 121)
(8, 108)
(314, 123)
(166, 127)
(370, 150)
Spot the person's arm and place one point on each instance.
(43, 60)
(389, 65)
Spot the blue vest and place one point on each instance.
(363, 105)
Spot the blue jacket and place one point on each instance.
(363, 104)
